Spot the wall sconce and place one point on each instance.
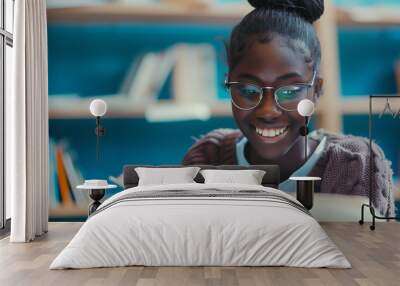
(98, 108)
(306, 109)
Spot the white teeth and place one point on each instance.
(270, 132)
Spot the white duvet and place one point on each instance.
(183, 231)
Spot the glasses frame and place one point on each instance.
(228, 85)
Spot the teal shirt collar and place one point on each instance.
(304, 170)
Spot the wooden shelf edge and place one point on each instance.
(68, 211)
(147, 13)
(359, 105)
(79, 108)
(227, 14)
(368, 16)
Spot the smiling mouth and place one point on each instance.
(272, 133)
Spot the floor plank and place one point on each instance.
(374, 255)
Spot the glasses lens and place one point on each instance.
(289, 96)
(245, 96)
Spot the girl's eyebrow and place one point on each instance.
(282, 77)
(288, 76)
(249, 76)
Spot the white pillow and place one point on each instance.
(248, 177)
(162, 176)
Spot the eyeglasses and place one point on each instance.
(247, 96)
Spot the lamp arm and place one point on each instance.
(97, 123)
(306, 120)
(99, 131)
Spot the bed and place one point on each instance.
(201, 224)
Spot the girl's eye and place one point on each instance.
(249, 90)
(290, 92)
(245, 96)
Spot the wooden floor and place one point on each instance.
(374, 255)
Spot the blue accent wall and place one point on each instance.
(385, 132)
(367, 60)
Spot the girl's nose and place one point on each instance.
(268, 109)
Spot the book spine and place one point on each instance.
(142, 90)
(194, 75)
(74, 179)
(397, 75)
(53, 184)
(62, 179)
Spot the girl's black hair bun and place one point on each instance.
(310, 10)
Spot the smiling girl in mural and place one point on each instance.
(274, 59)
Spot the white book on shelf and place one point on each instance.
(177, 111)
(149, 77)
(130, 75)
(397, 75)
(119, 181)
(165, 68)
(194, 74)
(53, 197)
(75, 179)
(207, 73)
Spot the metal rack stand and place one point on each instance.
(371, 166)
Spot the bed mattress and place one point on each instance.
(201, 225)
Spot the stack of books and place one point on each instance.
(64, 178)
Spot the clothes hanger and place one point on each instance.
(397, 114)
(388, 108)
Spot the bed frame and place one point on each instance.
(270, 179)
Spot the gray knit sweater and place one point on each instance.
(343, 165)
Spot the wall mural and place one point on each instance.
(175, 95)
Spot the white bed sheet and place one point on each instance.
(200, 231)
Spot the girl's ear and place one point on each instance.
(318, 88)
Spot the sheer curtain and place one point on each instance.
(27, 124)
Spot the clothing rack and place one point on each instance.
(389, 109)
(371, 170)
